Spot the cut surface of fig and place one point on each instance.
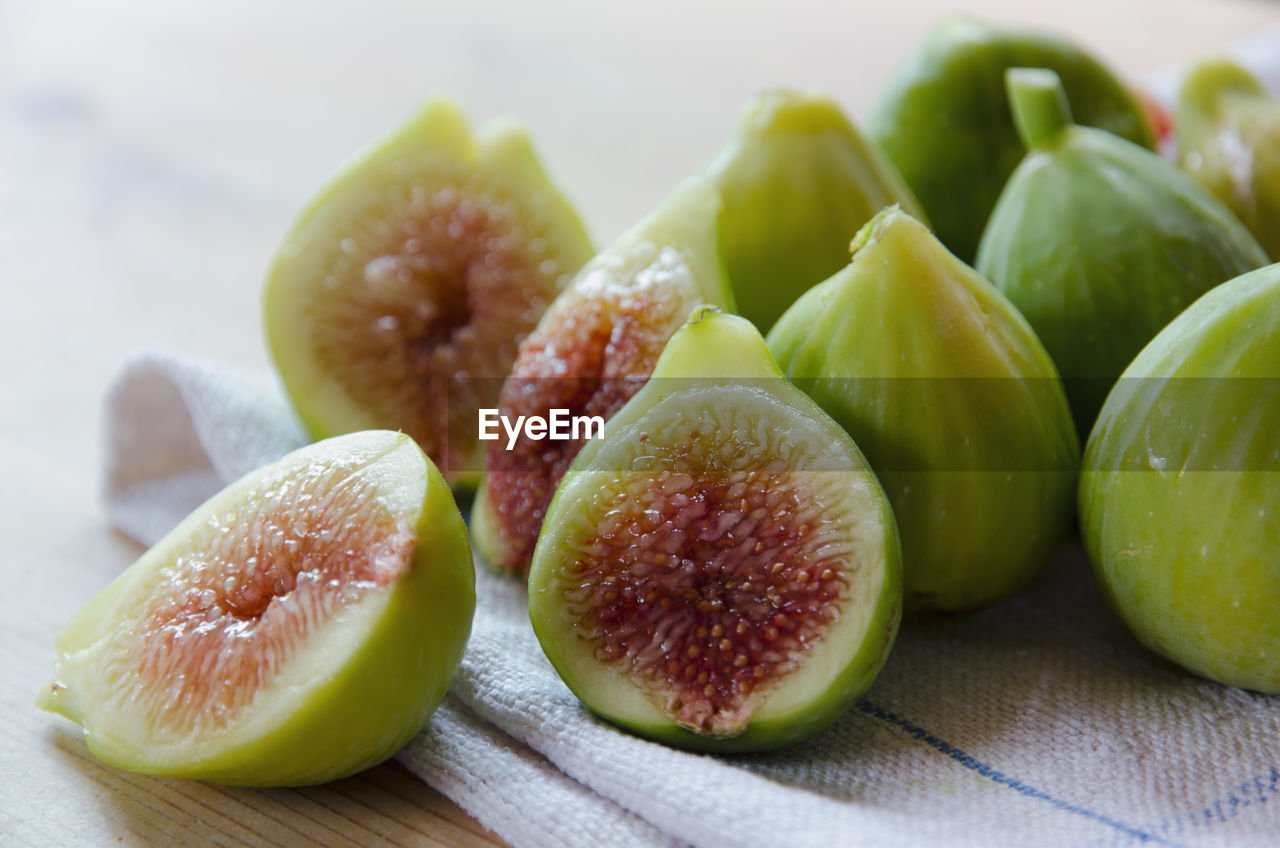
(722, 570)
(400, 296)
(300, 625)
(591, 352)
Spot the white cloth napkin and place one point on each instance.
(1041, 722)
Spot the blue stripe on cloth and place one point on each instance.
(1254, 793)
(969, 762)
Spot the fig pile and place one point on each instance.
(719, 558)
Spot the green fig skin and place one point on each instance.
(1100, 243)
(1228, 136)
(798, 180)
(718, 363)
(366, 682)
(944, 120)
(1180, 489)
(955, 403)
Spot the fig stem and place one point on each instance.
(1039, 105)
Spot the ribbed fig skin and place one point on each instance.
(591, 352)
(721, 571)
(954, 401)
(944, 120)
(1180, 489)
(798, 180)
(1100, 243)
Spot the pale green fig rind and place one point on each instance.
(686, 221)
(1228, 136)
(486, 535)
(715, 346)
(798, 180)
(377, 691)
(1100, 243)
(434, 148)
(944, 120)
(954, 401)
(1179, 490)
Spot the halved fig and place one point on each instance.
(301, 625)
(402, 292)
(591, 352)
(721, 571)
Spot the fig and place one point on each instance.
(721, 570)
(592, 351)
(1180, 489)
(299, 626)
(944, 120)
(797, 180)
(1100, 243)
(1228, 136)
(955, 402)
(401, 293)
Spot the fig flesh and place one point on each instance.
(299, 626)
(944, 118)
(401, 293)
(955, 403)
(1228, 132)
(798, 180)
(1100, 243)
(721, 571)
(1180, 490)
(592, 351)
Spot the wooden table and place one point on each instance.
(152, 154)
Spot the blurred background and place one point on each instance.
(152, 154)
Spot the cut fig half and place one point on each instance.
(402, 292)
(299, 626)
(722, 570)
(592, 351)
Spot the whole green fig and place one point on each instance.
(1100, 243)
(944, 119)
(953, 400)
(1228, 132)
(1180, 494)
(797, 180)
